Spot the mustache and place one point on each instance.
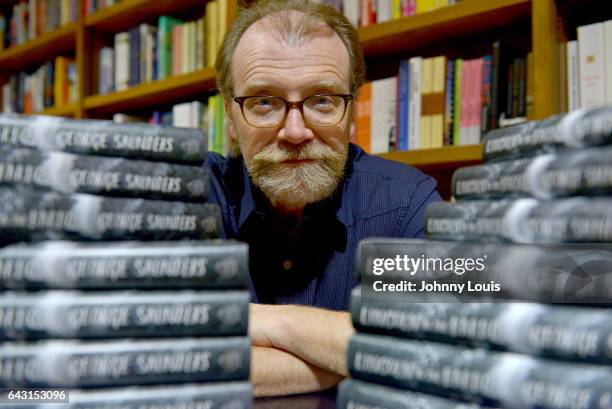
(311, 151)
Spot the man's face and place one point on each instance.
(293, 163)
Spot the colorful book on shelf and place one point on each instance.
(402, 105)
(177, 49)
(414, 103)
(212, 29)
(436, 138)
(165, 25)
(427, 108)
(449, 94)
(363, 116)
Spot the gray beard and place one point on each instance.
(296, 185)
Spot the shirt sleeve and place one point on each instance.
(414, 221)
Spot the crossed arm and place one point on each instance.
(297, 349)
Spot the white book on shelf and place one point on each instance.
(384, 10)
(122, 60)
(384, 104)
(351, 11)
(414, 103)
(591, 65)
(573, 76)
(608, 59)
(181, 115)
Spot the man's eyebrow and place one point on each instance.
(323, 86)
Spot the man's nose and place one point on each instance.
(295, 130)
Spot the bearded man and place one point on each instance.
(297, 191)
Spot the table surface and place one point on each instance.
(319, 400)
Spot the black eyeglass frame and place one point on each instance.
(294, 104)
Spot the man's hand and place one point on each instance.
(319, 337)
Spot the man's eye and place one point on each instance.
(263, 102)
(323, 101)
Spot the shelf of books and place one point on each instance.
(68, 110)
(154, 93)
(438, 158)
(467, 17)
(129, 13)
(39, 49)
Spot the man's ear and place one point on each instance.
(231, 127)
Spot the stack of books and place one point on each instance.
(507, 304)
(113, 289)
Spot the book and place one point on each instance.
(71, 173)
(552, 331)
(124, 265)
(573, 77)
(30, 215)
(165, 24)
(414, 103)
(235, 395)
(122, 314)
(580, 172)
(607, 37)
(383, 114)
(354, 394)
(592, 65)
(122, 61)
(577, 129)
(476, 375)
(363, 117)
(576, 219)
(106, 138)
(83, 364)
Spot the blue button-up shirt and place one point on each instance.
(315, 263)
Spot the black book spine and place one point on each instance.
(63, 314)
(106, 138)
(124, 265)
(70, 173)
(354, 394)
(480, 376)
(235, 395)
(569, 333)
(577, 129)
(124, 362)
(28, 215)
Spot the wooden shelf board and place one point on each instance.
(129, 13)
(64, 110)
(438, 158)
(40, 49)
(154, 93)
(467, 17)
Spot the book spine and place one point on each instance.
(104, 138)
(486, 377)
(26, 214)
(124, 362)
(414, 103)
(496, 220)
(64, 314)
(579, 219)
(592, 65)
(568, 333)
(573, 77)
(402, 114)
(235, 394)
(69, 173)
(521, 177)
(125, 265)
(354, 394)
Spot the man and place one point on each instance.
(297, 192)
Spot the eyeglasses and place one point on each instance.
(264, 111)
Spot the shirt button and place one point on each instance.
(287, 264)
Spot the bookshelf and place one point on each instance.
(384, 43)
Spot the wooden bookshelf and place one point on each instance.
(448, 157)
(64, 110)
(153, 94)
(467, 17)
(39, 50)
(129, 13)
